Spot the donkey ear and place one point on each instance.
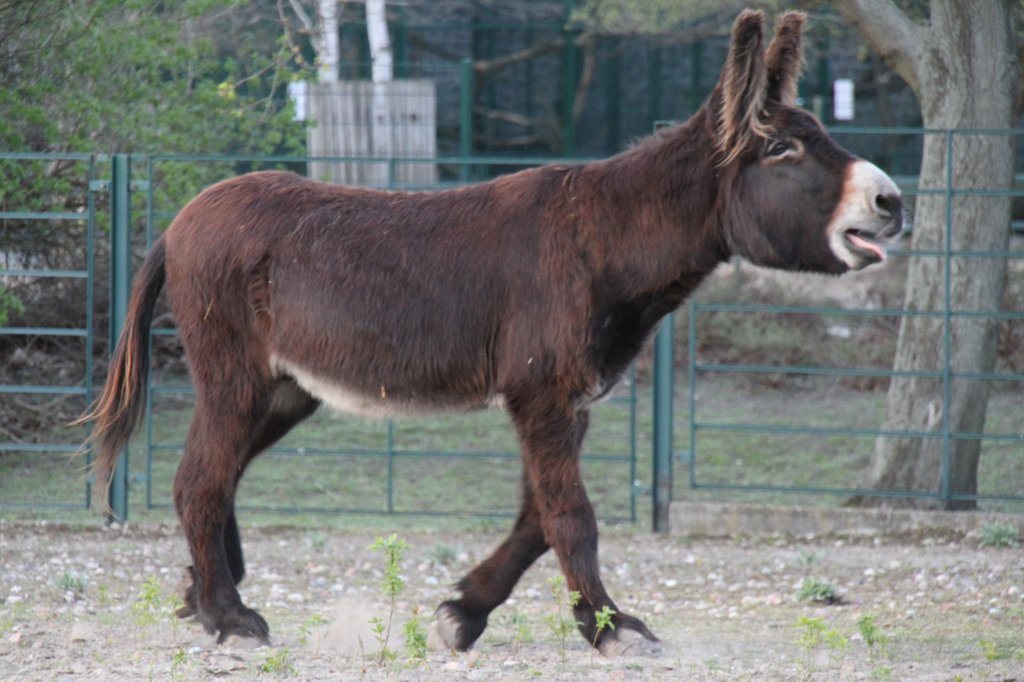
(786, 58)
(742, 86)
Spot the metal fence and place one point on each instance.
(796, 420)
(797, 423)
(462, 465)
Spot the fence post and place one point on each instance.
(120, 284)
(664, 374)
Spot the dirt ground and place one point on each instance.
(86, 603)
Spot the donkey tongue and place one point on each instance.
(867, 246)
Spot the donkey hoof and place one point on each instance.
(241, 621)
(454, 629)
(627, 642)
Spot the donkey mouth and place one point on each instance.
(867, 245)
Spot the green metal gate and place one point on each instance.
(460, 465)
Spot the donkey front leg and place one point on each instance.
(204, 498)
(552, 441)
(460, 622)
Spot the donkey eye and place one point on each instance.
(777, 148)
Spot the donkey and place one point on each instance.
(535, 290)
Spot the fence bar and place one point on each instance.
(465, 115)
(120, 282)
(664, 372)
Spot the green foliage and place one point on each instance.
(443, 555)
(415, 636)
(816, 636)
(277, 661)
(992, 651)
(1000, 535)
(152, 604)
(110, 76)
(312, 626)
(602, 621)
(818, 590)
(140, 75)
(877, 643)
(521, 634)
(9, 303)
(393, 547)
(559, 622)
(73, 583)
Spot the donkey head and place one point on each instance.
(792, 198)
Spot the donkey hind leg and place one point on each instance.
(217, 452)
(461, 621)
(289, 405)
(551, 445)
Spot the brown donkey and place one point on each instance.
(535, 290)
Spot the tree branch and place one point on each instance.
(484, 67)
(890, 33)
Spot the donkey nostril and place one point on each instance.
(888, 204)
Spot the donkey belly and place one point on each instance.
(379, 401)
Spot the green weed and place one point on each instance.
(1000, 535)
(151, 604)
(992, 651)
(392, 585)
(815, 636)
(521, 632)
(277, 661)
(877, 643)
(443, 555)
(312, 626)
(558, 622)
(818, 590)
(415, 637)
(72, 583)
(603, 621)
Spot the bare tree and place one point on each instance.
(962, 64)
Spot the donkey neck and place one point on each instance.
(660, 200)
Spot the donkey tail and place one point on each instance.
(119, 408)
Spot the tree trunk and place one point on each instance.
(382, 72)
(963, 68)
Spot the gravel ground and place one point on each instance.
(84, 603)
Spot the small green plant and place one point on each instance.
(178, 662)
(992, 651)
(603, 621)
(808, 557)
(9, 303)
(382, 632)
(72, 583)
(1000, 535)
(560, 624)
(415, 636)
(277, 661)
(312, 626)
(818, 590)
(814, 636)
(521, 634)
(877, 643)
(317, 540)
(151, 604)
(392, 585)
(443, 555)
